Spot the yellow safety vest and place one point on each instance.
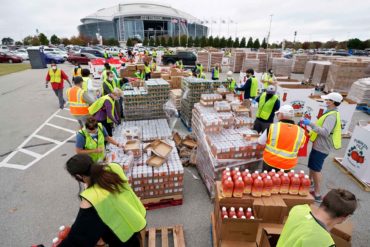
(55, 77)
(154, 67)
(91, 144)
(78, 73)
(140, 75)
(111, 86)
(84, 83)
(337, 131)
(97, 105)
(267, 77)
(147, 69)
(216, 73)
(154, 54)
(232, 85)
(122, 212)
(265, 108)
(254, 87)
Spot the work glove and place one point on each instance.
(254, 101)
(306, 121)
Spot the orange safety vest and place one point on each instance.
(77, 104)
(282, 145)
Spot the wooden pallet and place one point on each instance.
(162, 202)
(167, 236)
(338, 163)
(213, 231)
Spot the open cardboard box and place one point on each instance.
(160, 148)
(294, 200)
(270, 235)
(177, 139)
(155, 161)
(189, 142)
(271, 209)
(133, 146)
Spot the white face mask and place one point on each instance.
(54, 67)
(111, 78)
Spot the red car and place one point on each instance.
(6, 57)
(80, 58)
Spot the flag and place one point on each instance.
(223, 21)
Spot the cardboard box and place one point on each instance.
(293, 200)
(134, 147)
(140, 66)
(155, 161)
(270, 236)
(155, 75)
(165, 76)
(270, 209)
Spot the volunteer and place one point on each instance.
(147, 71)
(56, 77)
(153, 66)
(91, 140)
(268, 104)
(79, 101)
(306, 227)
(105, 112)
(326, 136)
(109, 209)
(283, 140)
(139, 74)
(199, 67)
(216, 72)
(107, 67)
(268, 78)
(231, 83)
(154, 54)
(106, 55)
(88, 85)
(109, 84)
(201, 75)
(250, 87)
(76, 71)
(179, 64)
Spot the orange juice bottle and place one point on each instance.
(301, 174)
(291, 174)
(295, 183)
(245, 173)
(236, 176)
(238, 188)
(224, 212)
(226, 176)
(267, 186)
(255, 175)
(248, 213)
(240, 213)
(276, 183)
(304, 189)
(264, 174)
(257, 187)
(234, 171)
(227, 188)
(227, 169)
(285, 183)
(232, 212)
(281, 172)
(248, 182)
(272, 173)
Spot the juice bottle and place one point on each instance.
(304, 189)
(276, 183)
(232, 212)
(295, 183)
(63, 232)
(234, 217)
(255, 175)
(236, 176)
(243, 217)
(245, 173)
(56, 242)
(285, 183)
(224, 212)
(252, 217)
(281, 172)
(240, 212)
(267, 186)
(248, 182)
(291, 174)
(248, 213)
(226, 176)
(301, 174)
(227, 188)
(227, 169)
(225, 217)
(272, 173)
(257, 187)
(264, 174)
(234, 171)
(238, 188)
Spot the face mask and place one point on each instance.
(111, 78)
(54, 67)
(138, 72)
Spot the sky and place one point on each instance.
(314, 20)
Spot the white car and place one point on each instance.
(21, 53)
(56, 51)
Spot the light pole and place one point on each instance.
(268, 35)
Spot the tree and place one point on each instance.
(112, 42)
(129, 42)
(223, 42)
(197, 42)
(54, 40)
(65, 41)
(35, 41)
(151, 42)
(306, 45)
(203, 41)
(7, 41)
(256, 44)
(250, 43)
(342, 45)
(229, 42)
(146, 41)
(317, 44)
(157, 41)
(170, 42)
(216, 42)
(27, 40)
(210, 41)
(43, 39)
(18, 43)
(190, 41)
(183, 40)
(236, 43)
(331, 44)
(176, 41)
(264, 44)
(163, 41)
(242, 43)
(355, 44)
(367, 43)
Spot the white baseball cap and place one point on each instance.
(336, 97)
(271, 89)
(287, 110)
(229, 73)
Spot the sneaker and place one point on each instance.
(318, 199)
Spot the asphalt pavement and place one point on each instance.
(35, 200)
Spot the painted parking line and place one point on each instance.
(36, 156)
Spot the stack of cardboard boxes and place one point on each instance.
(236, 61)
(360, 91)
(320, 72)
(203, 57)
(262, 62)
(299, 63)
(175, 97)
(282, 66)
(216, 58)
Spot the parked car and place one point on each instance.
(81, 58)
(341, 53)
(188, 58)
(7, 57)
(56, 51)
(53, 58)
(92, 51)
(21, 53)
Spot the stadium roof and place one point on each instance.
(138, 9)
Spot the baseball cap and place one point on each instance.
(286, 110)
(271, 89)
(336, 97)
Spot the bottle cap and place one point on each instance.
(228, 173)
(268, 177)
(236, 168)
(282, 170)
(229, 179)
(223, 208)
(277, 175)
(240, 179)
(227, 169)
(301, 171)
(306, 176)
(243, 217)
(225, 216)
(292, 171)
(246, 170)
(252, 217)
(285, 175)
(234, 217)
(256, 172)
(296, 176)
(240, 209)
(249, 210)
(249, 175)
(273, 170)
(55, 240)
(238, 174)
(61, 228)
(232, 209)
(265, 171)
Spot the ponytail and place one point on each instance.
(106, 179)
